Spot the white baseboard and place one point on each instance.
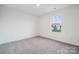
(59, 40)
(16, 40)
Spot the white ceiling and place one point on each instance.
(37, 11)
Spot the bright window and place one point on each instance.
(56, 24)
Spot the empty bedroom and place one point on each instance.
(39, 29)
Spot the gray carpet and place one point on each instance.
(38, 45)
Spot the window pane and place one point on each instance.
(56, 24)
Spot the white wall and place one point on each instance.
(16, 25)
(70, 25)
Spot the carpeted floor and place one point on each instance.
(38, 45)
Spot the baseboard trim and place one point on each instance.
(17, 40)
(44, 38)
(59, 41)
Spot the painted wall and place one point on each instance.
(70, 25)
(16, 25)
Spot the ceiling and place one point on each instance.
(37, 10)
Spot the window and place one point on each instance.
(56, 24)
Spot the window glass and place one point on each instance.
(56, 24)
